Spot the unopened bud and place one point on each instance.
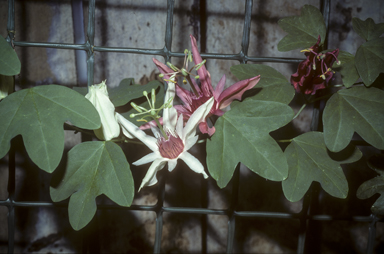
(161, 75)
(145, 93)
(197, 77)
(132, 115)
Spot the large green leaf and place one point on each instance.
(94, 168)
(9, 62)
(309, 161)
(367, 29)
(370, 188)
(303, 31)
(347, 68)
(38, 114)
(242, 135)
(358, 109)
(370, 60)
(275, 86)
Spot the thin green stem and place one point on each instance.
(192, 86)
(285, 140)
(301, 109)
(161, 128)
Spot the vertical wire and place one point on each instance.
(312, 198)
(232, 208)
(79, 37)
(160, 199)
(246, 30)
(90, 41)
(12, 154)
(169, 30)
(159, 216)
(371, 234)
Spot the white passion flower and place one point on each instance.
(174, 145)
(98, 96)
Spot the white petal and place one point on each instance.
(172, 164)
(147, 158)
(156, 132)
(193, 163)
(197, 117)
(169, 114)
(190, 142)
(136, 132)
(98, 96)
(179, 125)
(150, 178)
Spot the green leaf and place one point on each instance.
(370, 188)
(38, 114)
(303, 31)
(309, 161)
(275, 86)
(144, 103)
(370, 60)
(347, 68)
(127, 91)
(367, 29)
(242, 135)
(94, 168)
(9, 62)
(358, 109)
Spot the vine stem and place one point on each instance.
(301, 109)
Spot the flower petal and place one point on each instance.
(219, 88)
(133, 130)
(150, 178)
(185, 96)
(169, 114)
(236, 91)
(180, 124)
(148, 158)
(193, 163)
(172, 164)
(190, 142)
(197, 117)
(205, 80)
(204, 128)
(163, 68)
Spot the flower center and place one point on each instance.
(170, 148)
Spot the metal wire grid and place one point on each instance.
(305, 216)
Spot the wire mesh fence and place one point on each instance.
(305, 217)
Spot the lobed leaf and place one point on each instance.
(94, 168)
(367, 29)
(275, 86)
(38, 115)
(9, 62)
(358, 109)
(303, 31)
(370, 188)
(370, 60)
(347, 68)
(308, 161)
(242, 135)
